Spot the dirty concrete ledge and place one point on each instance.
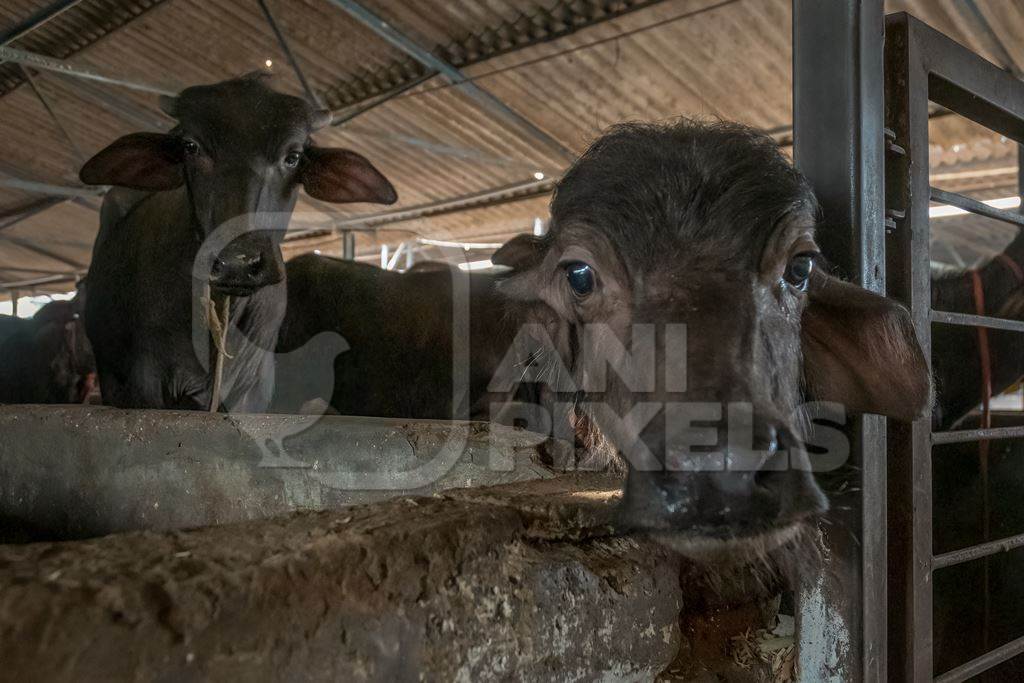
(83, 471)
(516, 582)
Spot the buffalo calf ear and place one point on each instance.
(860, 350)
(338, 175)
(140, 161)
(522, 251)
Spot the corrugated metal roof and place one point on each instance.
(586, 64)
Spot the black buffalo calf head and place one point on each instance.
(241, 150)
(681, 287)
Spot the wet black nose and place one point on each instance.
(240, 271)
(745, 486)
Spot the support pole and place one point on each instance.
(289, 55)
(45, 63)
(838, 105)
(15, 295)
(348, 245)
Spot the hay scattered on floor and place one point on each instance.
(772, 649)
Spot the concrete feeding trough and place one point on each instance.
(75, 472)
(331, 549)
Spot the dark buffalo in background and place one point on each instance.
(397, 328)
(961, 631)
(47, 358)
(360, 340)
(9, 324)
(237, 157)
(703, 225)
(956, 363)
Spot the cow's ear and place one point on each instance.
(860, 350)
(520, 252)
(338, 175)
(140, 161)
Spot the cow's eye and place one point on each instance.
(292, 158)
(580, 277)
(798, 270)
(190, 147)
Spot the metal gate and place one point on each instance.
(924, 66)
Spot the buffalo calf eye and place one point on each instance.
(798, 270)
(580, 277)
(292, 158)
(190, 147)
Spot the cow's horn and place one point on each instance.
(321, 118)
(169, 105)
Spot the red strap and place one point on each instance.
(986, 361)
(1012, 265)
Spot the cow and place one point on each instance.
(397, 332)
(9, 324)
(956, 359)
(206, 205)
(961, 473)
(667, 241)
(48, 359)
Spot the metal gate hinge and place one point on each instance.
(890, 142)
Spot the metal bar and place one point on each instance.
(48, 189)
(42, 251)
(910, 470)
(983, 663)
(348, 245)
(440, 148)
(393, 260)
(45, 63)
(29, 211)
(53, 115)
(15, 295)
(289, 55)
(490, 197)
(486, 197)
(970, 320)
(122, 106)
(968, 84)
(41, 17)
(21, 284)
(34, 271)
(837, 130)
(976, 207)
(348, 113)
(401, 41)
(965, 435)
(976, 552)
(974, 14)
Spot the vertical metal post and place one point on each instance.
(910, 282)
(348, 245)
(15, 295)
(838, 105)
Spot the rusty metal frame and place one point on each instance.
(839, 146)
(925, 66)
